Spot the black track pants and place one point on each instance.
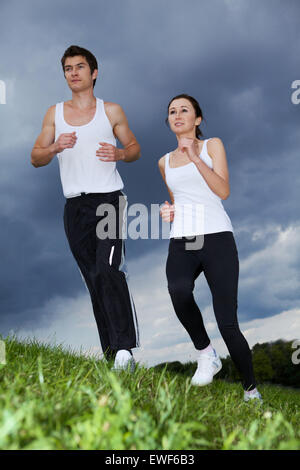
(101, 263)
(218, 259)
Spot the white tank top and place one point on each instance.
(198, 210)
(80, 169)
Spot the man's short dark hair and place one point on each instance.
(72, 51)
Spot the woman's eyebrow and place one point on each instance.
(184, 106)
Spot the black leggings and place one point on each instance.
(218, 259)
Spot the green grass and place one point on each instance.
(51, 398)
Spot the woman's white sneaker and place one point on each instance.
(124, 361)
(208, 366)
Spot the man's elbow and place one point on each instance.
(33, 161)
(138, 154)
(35, 164)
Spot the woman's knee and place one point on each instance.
(229, 330)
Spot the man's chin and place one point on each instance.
(76, 87)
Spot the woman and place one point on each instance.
(196, 176)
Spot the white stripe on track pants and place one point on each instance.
(101, 263)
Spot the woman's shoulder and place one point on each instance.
(161, 161)
(214, 142)
(216, 151)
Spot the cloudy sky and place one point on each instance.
(239, 58)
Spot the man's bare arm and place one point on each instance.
(131, 150)
(45, 147)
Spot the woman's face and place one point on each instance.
(182, 117)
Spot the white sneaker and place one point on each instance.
(252, 396)
(124, 361)
(208, 366)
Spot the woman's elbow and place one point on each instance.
(226, 194)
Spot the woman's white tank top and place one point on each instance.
(198, 210)
(80, 169)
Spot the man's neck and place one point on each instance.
(83, 99)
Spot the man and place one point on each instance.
(82, 133)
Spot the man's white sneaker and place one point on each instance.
(208, 366)
(124, 361)
(252, 396)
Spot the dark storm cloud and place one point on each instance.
(238, 58)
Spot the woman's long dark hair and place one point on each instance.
(196, 107)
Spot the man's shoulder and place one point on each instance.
(51, 109)
(114, 112)
(112, 107)
(50, 115)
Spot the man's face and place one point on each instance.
(78, 73)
